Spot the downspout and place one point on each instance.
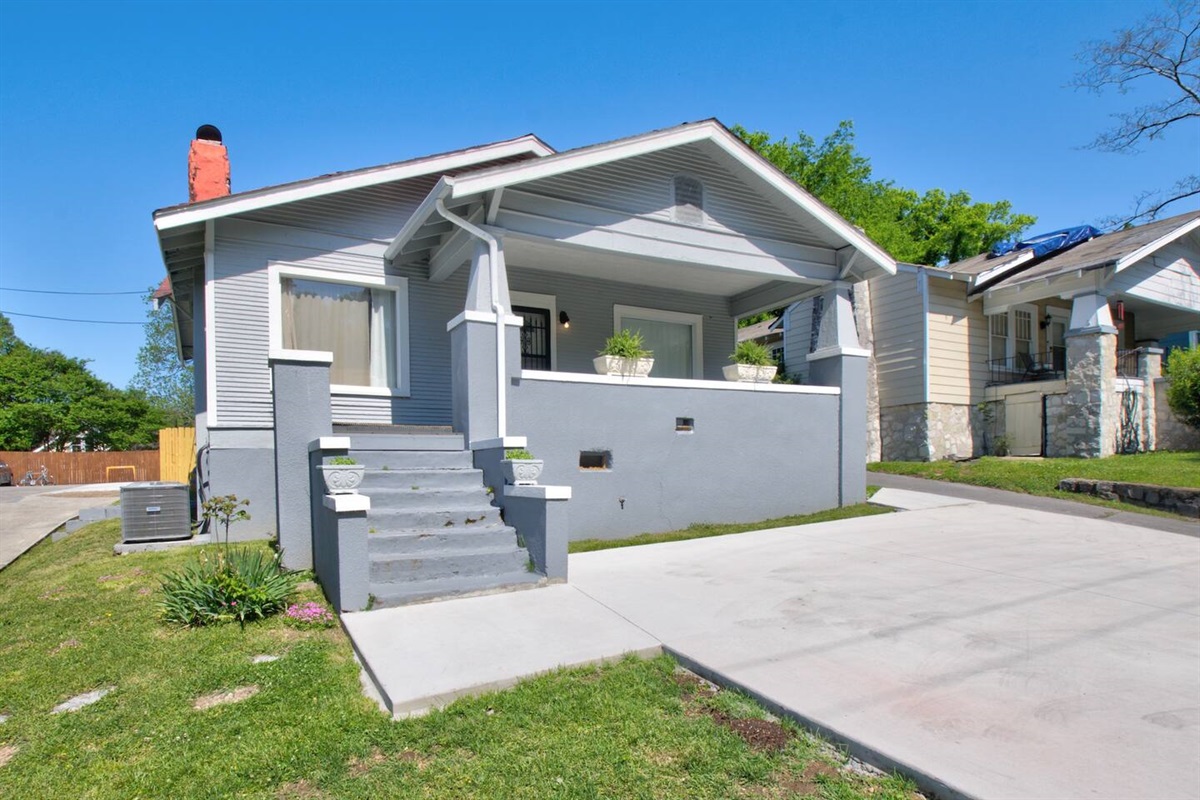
(497, 309)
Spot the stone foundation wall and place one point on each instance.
(932, 431)
(904, 433)
(1170, 432)
(1059, 442)
(1091, 413)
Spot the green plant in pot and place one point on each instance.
(520, 468)
(625, 354)
(752, 362)
(342, 475)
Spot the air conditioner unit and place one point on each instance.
(155, 511)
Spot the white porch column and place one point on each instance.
(1090, 428)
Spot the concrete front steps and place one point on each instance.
(432, 529)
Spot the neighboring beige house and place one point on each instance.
(1052, 355)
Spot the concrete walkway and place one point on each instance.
(29, 514)
(990, 651)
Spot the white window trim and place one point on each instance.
(533, 300)
(1010, 341)
(398, 286)
(695, 320)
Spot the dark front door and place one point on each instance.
(535, 337)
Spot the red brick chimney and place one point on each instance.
(208, 166)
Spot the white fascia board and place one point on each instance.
(1002, 269)
(264, 198)
(1157, 244)
(427, 209)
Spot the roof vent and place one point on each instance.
(209, 133)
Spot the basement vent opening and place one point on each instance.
(685, 424)
(595, 459)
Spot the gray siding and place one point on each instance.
(797, 338)
(1170, 276)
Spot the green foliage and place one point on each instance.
(241, 584)
(518, 454)
(931, 228)
(342, 461)
(164, 380)
(752, 353)
(1183, 391)
(225, 510)
(50, 399)
(626, 344)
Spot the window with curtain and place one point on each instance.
(674, 337)
(355, 323)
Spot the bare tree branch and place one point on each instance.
(1148, 205)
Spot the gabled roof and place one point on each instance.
(522, 147)
(710, 130)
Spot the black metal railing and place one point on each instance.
(1127, 362)
(1023, 367)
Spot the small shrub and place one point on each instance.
(1000, 446)
(1183, 392)
(241, 584)
(342, 461)
(752, 354)
(309, 615)
(626, 344)
(518, 454)
(225, 510)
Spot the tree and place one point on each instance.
(930, 228)
(1183, 392)
(161, 376)
(1162, 49)
(48, 399)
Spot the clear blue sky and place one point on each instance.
(98, 102)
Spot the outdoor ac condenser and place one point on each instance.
(155, 511)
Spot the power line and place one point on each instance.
(49, 291)
(67, 319)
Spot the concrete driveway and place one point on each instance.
(999, 652)
(29, 513)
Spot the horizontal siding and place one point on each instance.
(1171, 276)
(898, 324)
(589, 303)
(644, 185)
(797, 339)
(954, 336)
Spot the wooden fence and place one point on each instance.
(176, 454)
(99, 467)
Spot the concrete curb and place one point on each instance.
(927, 783)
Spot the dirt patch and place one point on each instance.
(56, 593)
(693, 685)
(299, 790)
(361, 766)
(67, 645)
(760, 734)
(224, 698)
(7, 751)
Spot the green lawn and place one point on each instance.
(701, 530)
(1041, 476)
(74, 618)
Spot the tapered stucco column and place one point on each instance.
(840, 360)
(1091, 402)
(476, 386)
(300, 398)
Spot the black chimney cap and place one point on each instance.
(209, 133)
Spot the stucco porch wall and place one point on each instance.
(756, 451)
(1171, 433)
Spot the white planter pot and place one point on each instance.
(626, 367)
(749, 373)
(521, 473)
(342, 478)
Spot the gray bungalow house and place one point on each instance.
(425, 315)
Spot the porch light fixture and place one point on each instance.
(1046, 320)
(564, 319)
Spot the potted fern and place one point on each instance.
(624, 354)
(520, 468)
(342, 475)
(751, 363)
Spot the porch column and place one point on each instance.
(840, 360)
(1091, 402)
(1149, 370)
(475, 384)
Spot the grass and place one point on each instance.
(702, 530)
(1041, 476)
(74, 618)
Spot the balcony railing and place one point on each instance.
(1028, 367)
(1127, 362)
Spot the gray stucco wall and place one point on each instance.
(752, 455)
(249, 473)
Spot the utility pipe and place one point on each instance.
(497, 309)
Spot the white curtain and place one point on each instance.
(355, 323)
(671, 343)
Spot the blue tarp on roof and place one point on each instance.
(1046, 243)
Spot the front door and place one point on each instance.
(535, 337)
(1056, 341)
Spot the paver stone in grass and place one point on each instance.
(7, 751)
(82, 700)
(263, 659)
(222, 698)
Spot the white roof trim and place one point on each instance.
(1003, 269)
(316, 187)
(1162, 241)
(498, 177)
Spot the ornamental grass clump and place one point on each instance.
(626, 344)
(752, 354)
(308, 615)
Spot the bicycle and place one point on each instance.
(41, 479)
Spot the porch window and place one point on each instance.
(689, 200)
(361, 321)
(675, 338)
(998, 326)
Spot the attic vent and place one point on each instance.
(689, 200)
